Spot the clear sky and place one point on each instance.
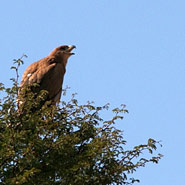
(128, 51)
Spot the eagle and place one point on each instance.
(48, 73)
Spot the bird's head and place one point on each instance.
(63, 52)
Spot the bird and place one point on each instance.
(48, 73)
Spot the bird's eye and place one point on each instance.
(63, 48)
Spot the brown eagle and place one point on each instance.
(48, 73)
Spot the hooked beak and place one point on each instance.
(70, 49)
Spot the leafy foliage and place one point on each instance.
(66, 144)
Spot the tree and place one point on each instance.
(67, 144)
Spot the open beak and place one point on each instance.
(70, 49)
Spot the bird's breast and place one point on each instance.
(54, 80)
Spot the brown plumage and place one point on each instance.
(48, 73)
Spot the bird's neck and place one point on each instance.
(60, 58)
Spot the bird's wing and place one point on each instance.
(48, 73)
(30, 75)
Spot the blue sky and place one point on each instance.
(128, 51)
